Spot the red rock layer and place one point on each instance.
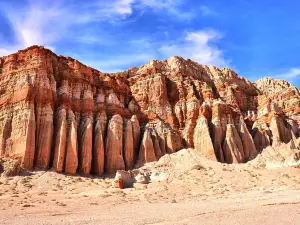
(55, 111)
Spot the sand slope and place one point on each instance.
(185, 188)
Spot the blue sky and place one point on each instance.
(254, 37)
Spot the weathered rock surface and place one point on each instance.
(233, 147)
(202, 140)
(147, 152)
(250, 150)
(114, 145)
(285, 95)
(72, 146)
(128, 145)
(60, 141)
(98, 153)
(57, 112)
(9, 167)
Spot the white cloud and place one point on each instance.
(172, 7)
(291, 73)
(123, 6)
(36, 24)
(47, 22)
(200, 46)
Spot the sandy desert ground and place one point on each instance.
(184, 191)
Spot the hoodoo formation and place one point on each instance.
(57, 112)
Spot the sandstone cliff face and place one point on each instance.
(283, 94)
(56, 112)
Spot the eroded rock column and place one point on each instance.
(147, 153)
(128, 145)
(60, 141)
(72, 145)
(29, 154)
(136, 131)
(85, 139)
(233, 147)
(98, 151)
(44, 134)
(202, 141)
(247, 141)
(114, 145)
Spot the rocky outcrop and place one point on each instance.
(85, 146)
(44, 134)
(147, 152)
(60, 141)
(128, 145)
(285, 95)
(156, 145)
(233, 147)
(114, 145)
(72, 146)
(250, 150)
(9, 167)
(202, 141)
(98, 152)
(57, 112)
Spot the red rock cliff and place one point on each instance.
(57, 112)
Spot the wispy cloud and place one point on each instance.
(50, 22)
(172, 7)
(200, 46)
(37, 24)
(47, 22)
(290, 74)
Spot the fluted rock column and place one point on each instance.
(247, 141)
(155, 141)
(72, 145)
(44, 134)
(60, 141)
(128, 145)
(85, 149)
(147, 153)
(28, 159)
(114, 145)
(233, 147)
(274, 127)
(5, 133)
(192, 113)
(173, 141)
(136, 131)
(102, 119)
(162, 144)
(281, 134)
(202, 141)
(261, 139)
(219, 121)
(218, 138)
(98, 151)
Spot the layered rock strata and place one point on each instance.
(57, 112)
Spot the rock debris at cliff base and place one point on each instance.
(57, 112)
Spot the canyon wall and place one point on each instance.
(57, 112)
